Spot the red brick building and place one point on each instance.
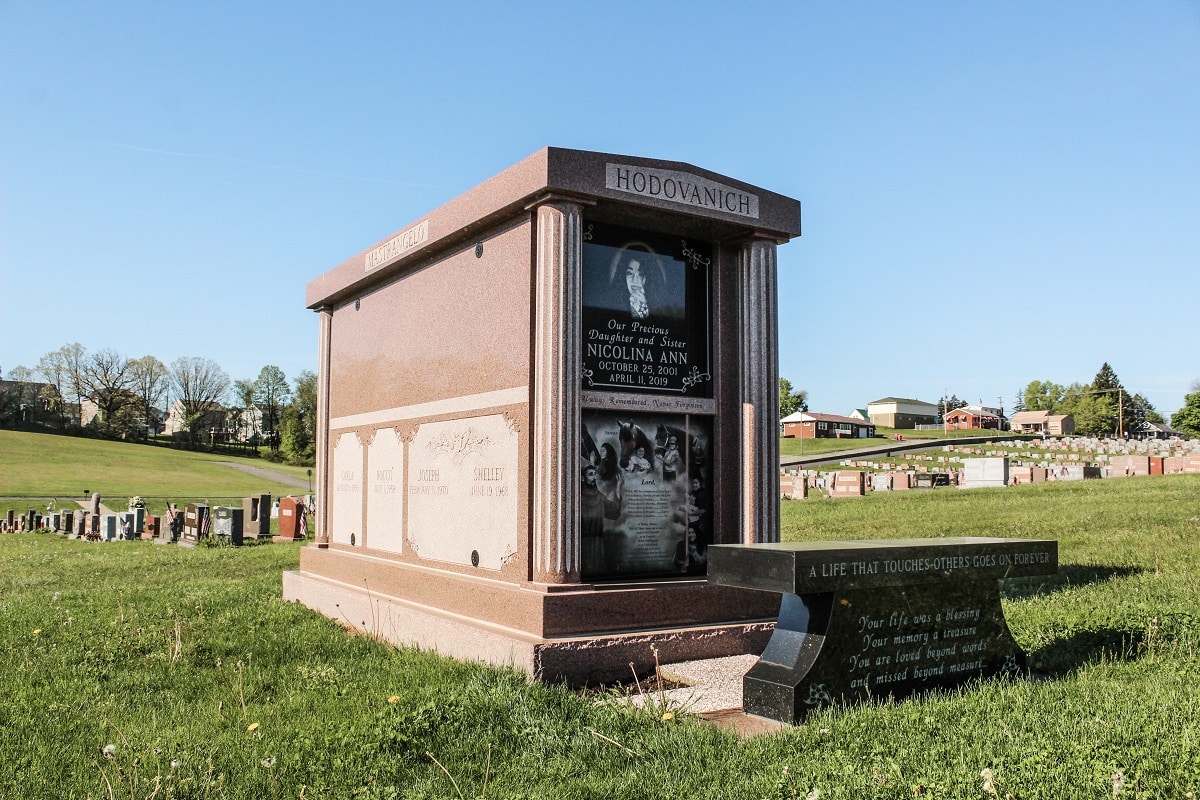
(803, 425)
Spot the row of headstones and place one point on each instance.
(797, 485)
(196, 522)
(1161, 447)
(976, 473)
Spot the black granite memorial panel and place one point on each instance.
(878, 618)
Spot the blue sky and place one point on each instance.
(993, 192)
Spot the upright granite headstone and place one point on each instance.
(95, 507)
(256, 516)
(291, 519)
(863, 619)
(227, 524)
(541, 403)
(196, 524)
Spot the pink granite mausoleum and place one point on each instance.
(539, 404)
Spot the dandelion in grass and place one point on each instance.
(268, 762)
(175, 763)
(1118, 779)
(989, 782)
(252, 727)
(815, 794)
(668, 716)
(37, 631)
(394, 699)
(109, 750)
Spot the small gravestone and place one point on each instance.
(195, 524)
(95, 507)
(125, 524)
(67, 524)
(151, 530)
(256, 516)
(139, 521)
(291, 519)
(108, 527)
(865, 619)
(11, 519)
(227, 524)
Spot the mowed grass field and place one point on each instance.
(49, 466)
(134, 670)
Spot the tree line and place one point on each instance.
(1101, 408)
(109, 394)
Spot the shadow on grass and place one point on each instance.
(1069, 575)
(1086, 647)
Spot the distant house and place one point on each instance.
(803, 425)
(975, 418)
(1043, 422)
(213, 417)
(860, 414)
(901, 412)
(1156, 430)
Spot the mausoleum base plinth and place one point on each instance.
(580, 640)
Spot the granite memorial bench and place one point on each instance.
(863, 619)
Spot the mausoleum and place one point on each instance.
(539, 404)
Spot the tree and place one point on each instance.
(21, 374)
(1187, 419)
(1142, 412)
(790, 401)
(945, 406)
(1019, 403)
(243, 390)
(200, 385)
(149, 379)
(55, 369)
(271, 393)
(1043, 396)
(298, 425)
(1115, 409)
(106, 382)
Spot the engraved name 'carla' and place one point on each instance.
(680, 187)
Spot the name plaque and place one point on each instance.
(879, 618)
(680, 187)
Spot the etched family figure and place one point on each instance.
(596, 506)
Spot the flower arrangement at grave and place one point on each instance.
(137, 502)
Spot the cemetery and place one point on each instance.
(997, 464)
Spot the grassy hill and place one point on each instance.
(46, 465)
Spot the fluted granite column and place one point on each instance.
(759, 392)
(556, 393)
(321, 426)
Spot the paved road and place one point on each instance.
(268, 474)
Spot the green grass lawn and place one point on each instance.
(45, 465)
(200, 682)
